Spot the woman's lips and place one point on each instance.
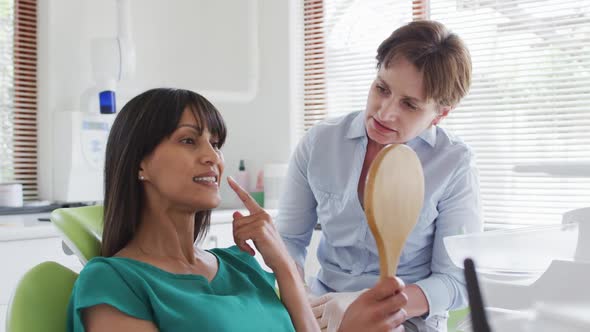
(381, 128)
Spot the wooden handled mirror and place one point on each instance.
(394, 194)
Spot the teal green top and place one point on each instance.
(241, 296)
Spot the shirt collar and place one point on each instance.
(357, 130)
(429, 135)
(357, 126)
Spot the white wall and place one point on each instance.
(203, 45)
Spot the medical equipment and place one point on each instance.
(80, 136)
(80, 140)
(112, 60)
(534, 278)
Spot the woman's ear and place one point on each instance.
(141, 173)
(443, 111)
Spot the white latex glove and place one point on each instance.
(329, 308)
(318, 304)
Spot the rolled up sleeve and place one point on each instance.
(459, 213)
(297, 215)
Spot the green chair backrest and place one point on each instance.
(81, 229)
(40, 300)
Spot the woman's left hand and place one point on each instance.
(259, 228)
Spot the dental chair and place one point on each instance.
(456, 318)
(40, 299)
(81, 230)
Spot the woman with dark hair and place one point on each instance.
(162, 172)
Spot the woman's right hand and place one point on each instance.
(378, 309)
(259, 228)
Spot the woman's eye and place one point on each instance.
(411, 106)
(216, 145)
(187, 140)
(381, 89)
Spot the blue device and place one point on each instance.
(107, 102)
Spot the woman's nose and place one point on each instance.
(211, 156)
(389, 111)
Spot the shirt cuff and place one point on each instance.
(437, 294)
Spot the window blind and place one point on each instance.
(18, 90)
(341, 39)
(528, 104)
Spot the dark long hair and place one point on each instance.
(141, 125)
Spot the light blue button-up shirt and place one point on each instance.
(321, 186)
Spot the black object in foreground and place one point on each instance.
(479, 321)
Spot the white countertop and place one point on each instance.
(27, 226)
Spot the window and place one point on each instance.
(341, 39)
(18, 94)
(529, 98)
(528, 102)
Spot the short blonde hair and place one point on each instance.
(440, 55)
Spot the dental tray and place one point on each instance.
(524, 252)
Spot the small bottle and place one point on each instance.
(243, 177)
(259, 182)
(258, 193)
